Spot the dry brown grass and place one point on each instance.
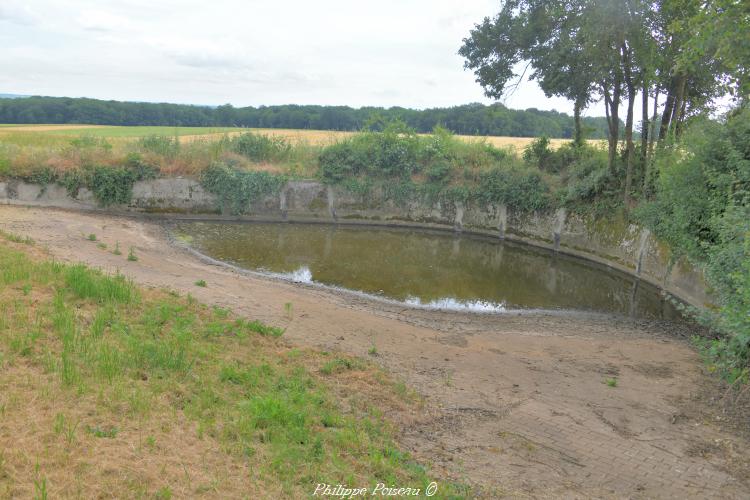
(327, 137)
(151, 453)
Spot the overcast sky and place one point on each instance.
(248, 52)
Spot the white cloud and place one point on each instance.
(16, 12)
(247, 52)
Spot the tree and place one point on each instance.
(573, 47)
(718, 31)
(587, 50)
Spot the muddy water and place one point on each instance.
(428, 268)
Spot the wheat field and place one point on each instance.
(46, 133)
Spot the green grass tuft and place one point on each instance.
(339, 365)
(93, 284)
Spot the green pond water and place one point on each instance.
(427, 268)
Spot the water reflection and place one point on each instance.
(428, 268)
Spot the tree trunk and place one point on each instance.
(578, 136)
(650, 153)
(680, 119)
(629, 148)
(652, 132)
(678, 103)
(644, 125)
(612, 108)
(667, 114)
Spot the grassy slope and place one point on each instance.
(108, 389)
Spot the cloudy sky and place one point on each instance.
(248, 52)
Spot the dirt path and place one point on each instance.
(515, 403)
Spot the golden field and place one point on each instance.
(31, 134)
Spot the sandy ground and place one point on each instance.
(516, 404)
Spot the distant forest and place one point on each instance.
(469, 119)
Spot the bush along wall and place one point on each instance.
(238, 189)
(403, 167)
(110, 185)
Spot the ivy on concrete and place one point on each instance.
(239, 189)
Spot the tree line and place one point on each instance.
(469, 119)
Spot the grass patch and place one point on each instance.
(181, 383)
(15, 238)
(340, 365)
(611, 382)
(201, 283)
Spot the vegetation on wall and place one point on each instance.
(406, 167)
(110, 185)
(238, 189)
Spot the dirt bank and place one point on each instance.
(515, 403)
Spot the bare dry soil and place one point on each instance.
(519, 405)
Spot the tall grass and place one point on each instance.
(92, 284)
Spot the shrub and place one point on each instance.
(168, 147)
(41, 175)
(588, 177)
(394, 153)
(261, 148)
(384, 155)
(74, 180)
(441, 145)
(518, 188)
(238, 189)
(439, 171)
(112, 185)
(537, 154)
(109, 185)
(341, 161)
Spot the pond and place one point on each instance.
(428, 268)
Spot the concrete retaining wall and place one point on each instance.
(615, 243)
